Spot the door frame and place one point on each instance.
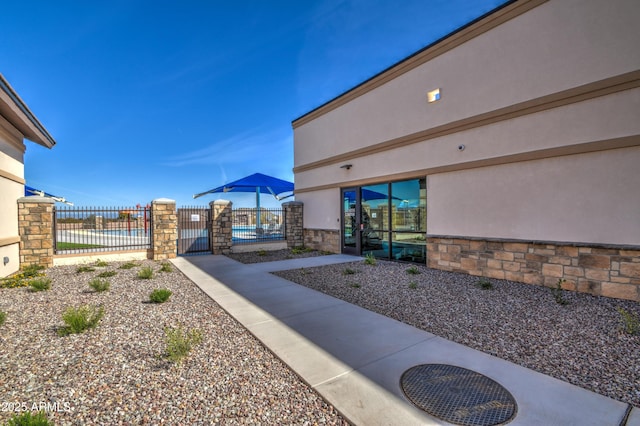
(357, 250)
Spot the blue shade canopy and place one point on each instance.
(257, 183)
(33, 191)
(367, 195)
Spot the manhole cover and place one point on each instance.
(458, 395)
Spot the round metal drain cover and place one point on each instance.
(458, 395)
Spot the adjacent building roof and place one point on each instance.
(16, 112)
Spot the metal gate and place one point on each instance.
(194, 230)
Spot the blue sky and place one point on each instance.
(150, 99)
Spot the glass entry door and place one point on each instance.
(351, 223)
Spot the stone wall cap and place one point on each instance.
(164, 201)
(220, 203)
(293, 203)
(36, 199)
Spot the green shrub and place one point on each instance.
(40, 284)
(301, 250)
(485, 284)
(145, 273)
(165, 267)
(370, 259)
(160, 295)
(262, 253)
(107, 274)
(305, 271)
(3, 317)
(630, 321)
(348, 271)
(413, 271)
(99, 285)
(413, 285)
(21, 279)
(80, 319)
(179, 342)
(101, 263)
(558, 293)
(354, 285)
(28, 419)
(85, 268)
(128, 265)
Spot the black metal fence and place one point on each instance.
(194, 224)
(251, 225)
(95, 229)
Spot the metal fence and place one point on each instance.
(194, 224)
(91, 229)
(251, 225)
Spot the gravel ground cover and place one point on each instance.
(117, 373)
(581, 342)
(271, 256)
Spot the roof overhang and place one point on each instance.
(16, 112)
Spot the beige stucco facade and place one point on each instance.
(17, 123)
(544, 99)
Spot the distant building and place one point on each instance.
(17, 123)
(508, 149)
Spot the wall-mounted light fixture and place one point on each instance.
(346, 166)
(433, 95)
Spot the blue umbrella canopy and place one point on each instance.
(257, 183)
(28, 190)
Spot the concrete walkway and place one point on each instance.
(354, 358)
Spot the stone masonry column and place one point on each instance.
(294, 232)
(164, 225)
(35, 226)
(221, 226)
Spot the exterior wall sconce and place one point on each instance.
(346, 166)
(433, 95)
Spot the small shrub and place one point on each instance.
(85, 268)
(348, 271)
(3, 317)
(301, 250)
(21, 279)
(128, 265)
(101, 263)
(31, 271)
(558, 293)
(413, 285)
(28, 419)
(370, 259)
(304, 271)
(160, 295)
(179, 342)
(80, 319)
(165, 267)
(262, 253)
(485, 284)
(413, 271)
(630, 321)
(107, 274)
(99, 285)
(40, 284)
(145, 273)
(354, 285)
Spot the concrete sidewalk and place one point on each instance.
(355, 358)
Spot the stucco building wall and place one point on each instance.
(11, 188)
(17, 123)
(536, 137)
